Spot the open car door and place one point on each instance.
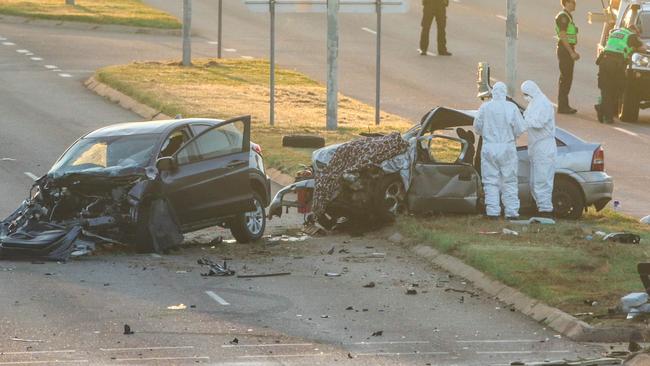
(210, 180)
(441, 181)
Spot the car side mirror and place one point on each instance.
(166, 163)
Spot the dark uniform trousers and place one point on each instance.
(611, 82)
(434, 9)
(566, 76)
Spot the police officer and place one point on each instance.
(612, 62)
(567, 34)
(434, 9)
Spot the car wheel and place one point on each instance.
(249, 226)
(305, 141)
(568, 202)
(630, 105)
(390, 197)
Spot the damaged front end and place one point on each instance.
(72, 212)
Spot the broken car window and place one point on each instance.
(97, 154)
(445, 151)
(173, 142)
(224, 140)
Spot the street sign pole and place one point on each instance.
(187, 25)
(511, 47)
(272, 72)
(332, 63)
(378, 66)
(220, 29)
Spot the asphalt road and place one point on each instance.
(413, 84)
(75, 312)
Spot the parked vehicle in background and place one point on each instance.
(622, 14)
(144, 183)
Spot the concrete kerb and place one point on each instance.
(554, 318)
(563, 323)
(75, 25)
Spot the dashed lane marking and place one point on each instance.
(162, 358)
(8, 43)
(230, 49)
(22, 51)
(7, 159)
(156, 348)
(500, 341)
(287, 356)
(217, 298)
(36, 58)
(502, 17)
(49, 362)
(401, 354)
(369, 30)
(51, 67)
(3, 39)
(517, 352)
(213, 42)
(267, 345)
(390, 342)
(64, 75)
(36, 352)
(31, 175)
(626, 131)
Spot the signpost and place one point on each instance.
(187, 26)
(332, 7)
(511, 47)
(220, 29)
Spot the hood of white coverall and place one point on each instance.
(539, 115)
(499, 91)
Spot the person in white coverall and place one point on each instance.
(499, 122)
(542, 148)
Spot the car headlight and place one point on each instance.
(640, 60)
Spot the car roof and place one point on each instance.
(147, 127)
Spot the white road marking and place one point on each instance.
(64, 75)
(8, 43)
(230, 49)
(156, 255)
(22, 51)
(3, 39)
(286, 356)
(457, 1)
(217, 298)
(37, 352)
(29, 54)
(42, 362)
(516, 352)
(31, 175)
(388, 342)
(247, 57)
(213, 42)
(268, 345)
(401, 353)
(144, 348)
(501, 341)
(51, 67)
(163, 358)
(36, 58)
(369, 30)
(626, 131)
(501, 17)
(7, 159)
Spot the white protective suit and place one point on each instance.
(499, 122)
(542, 148)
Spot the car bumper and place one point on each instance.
(597, 187)
(280, 201)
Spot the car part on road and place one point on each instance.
(625, 238)
(304, 141)
(127, 330)
(264, 275)
(215, 269)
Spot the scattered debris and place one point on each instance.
(16, 339)
(331, 251)
(324, 316)
(534, 220)
(645, 220)
(581, 362)
(127, 330)
(177, 307)
(332, 274)
(378, 255)
(350, 355)
(461, 300)
(625, 238)
(378, 333)
(369, 285)
(471, 293)
(488, 232)
(411, 291)
(344, 251)
(264, 275)
(215, 269)
(349, 308)
(634, 347)
(507, 231)
(234, 341)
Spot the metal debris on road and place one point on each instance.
(625, 238)
(411, 291)
(332, 274)
(378, 333)
(234, 341)
(507, 231)
(471, 293)
(16, 339)
(264, 275)
(331, 251)
(127, 330)
(369, 285)
(215, 269)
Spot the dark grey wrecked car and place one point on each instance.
(143, 183)
(440, 172)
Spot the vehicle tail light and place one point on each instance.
(598, 160)
(257, 148)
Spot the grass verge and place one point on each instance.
(557, 264)
(227, 88)
(120, 12)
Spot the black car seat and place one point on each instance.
(471, 139)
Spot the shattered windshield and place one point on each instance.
(106, 155)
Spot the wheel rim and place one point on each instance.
(563, 204)
(393, 196)
(255, 219)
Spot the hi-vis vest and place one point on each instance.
(571, 30)
(618, 42)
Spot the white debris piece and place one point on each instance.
(633, 300)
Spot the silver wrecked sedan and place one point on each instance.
(443, 173)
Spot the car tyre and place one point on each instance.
(568, 202)
(304, 141)
(249, 226)
(389, 197)
(630, 105)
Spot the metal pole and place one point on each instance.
(220, 28)
(332, 63)
(272, 81)
(187, 26)
(378, 66)
(511, 47)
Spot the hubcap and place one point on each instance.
(255, 219)
(394, 196)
